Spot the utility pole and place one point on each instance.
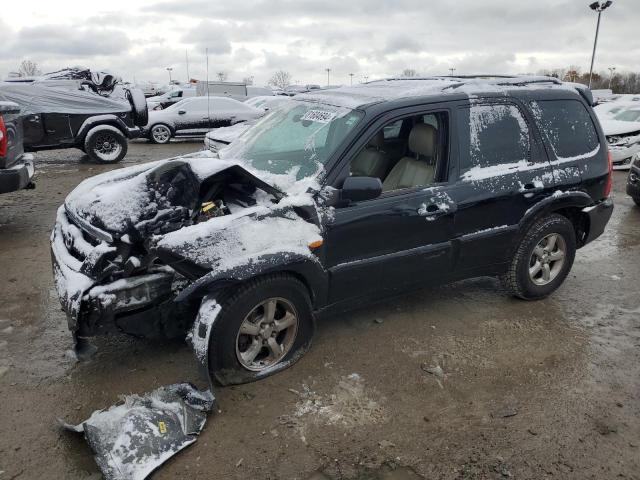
(351, 75)
(169, 69)
(597, 7)
(186, 56)
(452, 70)
(612, 71)
(328, 72)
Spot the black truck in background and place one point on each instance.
(55, 117)
(16, 167)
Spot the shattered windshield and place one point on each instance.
(628, 116)
(297, 136)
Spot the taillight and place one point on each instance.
(609, 185)
(4, 138)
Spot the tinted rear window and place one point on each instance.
(568, 126)
(492, 135)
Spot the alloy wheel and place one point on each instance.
(547, 259)
(266, 334)
(161, 134)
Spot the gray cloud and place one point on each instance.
(366, 37)
(61, 40)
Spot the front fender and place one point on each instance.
(307, 268)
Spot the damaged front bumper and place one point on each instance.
(623, 155)
(137, 305)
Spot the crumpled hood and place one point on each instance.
(124, 201)
(618, 127)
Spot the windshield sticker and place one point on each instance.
(319, 116)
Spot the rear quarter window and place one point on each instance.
(568, 127)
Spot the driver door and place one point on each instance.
(399, 240)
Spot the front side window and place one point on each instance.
(567, 125)
(300, 136)
(412, 156)
(491, 136)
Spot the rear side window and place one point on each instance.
(567, 125)
(491, 135)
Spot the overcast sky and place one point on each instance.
(370, 38)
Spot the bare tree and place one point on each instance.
(28, 69)
(222, 76)
(281, 79)
(409, 72)
(247, 80)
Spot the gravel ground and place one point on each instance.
(547, 389)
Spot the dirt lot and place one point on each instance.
(549, 389)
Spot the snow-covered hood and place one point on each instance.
(139, 200)
(618, 127)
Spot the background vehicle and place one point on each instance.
(167, 99)
(265, 102)
(196, 116)
(623, 134)
(16, 167)
(259, 91)
(342, 197)
(61, 118)
(235, 90)
(633, 181)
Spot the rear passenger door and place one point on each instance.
(502, 172)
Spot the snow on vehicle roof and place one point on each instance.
(398, 88)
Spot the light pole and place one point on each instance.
(169, 69)
(328, 72)
(452, 70)
(351, 75)
(597, 7)
(612, 71)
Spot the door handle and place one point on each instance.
(530, 188)
(434, 210)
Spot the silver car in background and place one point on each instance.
(196, 116)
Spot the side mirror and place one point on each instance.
(357, 189)
(181, 112)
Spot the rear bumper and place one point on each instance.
(599, 215)
(633, 181)
(17, 176)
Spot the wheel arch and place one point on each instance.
(92, 122)
(567, 204)
(309, 272)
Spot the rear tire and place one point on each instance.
(243, 323)
(106, 144)
(542, 260)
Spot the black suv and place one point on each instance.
(334, 200)
(16, 167)
(56, 117)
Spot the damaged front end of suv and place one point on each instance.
(128, 245)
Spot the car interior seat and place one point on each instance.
(419, 169)
(371, 161)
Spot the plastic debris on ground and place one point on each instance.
(133, 438)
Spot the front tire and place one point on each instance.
(542, 260)
(160, 134)
(262, 328)
(106, 144)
